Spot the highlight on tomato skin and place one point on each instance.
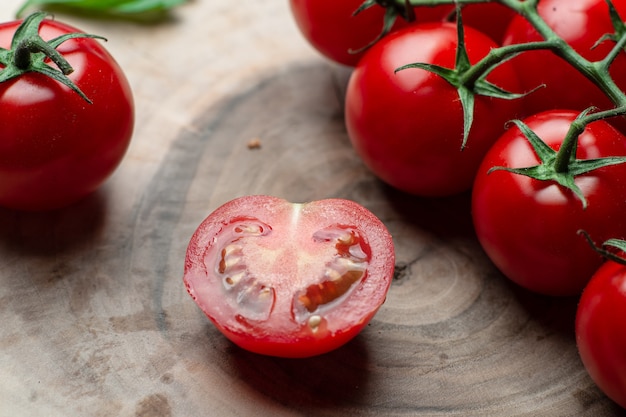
(289, 279)
(56, 148)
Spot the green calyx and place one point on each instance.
(393, 11)
(470, 80)
(29, 53)
(561, 166)
(609, 249)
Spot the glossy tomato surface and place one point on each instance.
(289, 280)
(529, 228)
(581, 23)
(490, 18)
(56, 148)
(407, 126)
(330, 27)
(600, 334)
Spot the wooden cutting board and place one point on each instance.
(95, 320)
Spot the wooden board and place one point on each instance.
(96, 320)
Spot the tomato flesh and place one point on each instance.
(290, 280)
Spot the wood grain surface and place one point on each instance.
(95, 319)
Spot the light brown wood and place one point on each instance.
(96, 320)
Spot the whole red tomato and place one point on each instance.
(407, 126)
(330, 27)
(581, 23)
(529, 227)
(55, 147)
(600, 334)
(289, 280)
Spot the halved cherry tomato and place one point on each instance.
(289, 280)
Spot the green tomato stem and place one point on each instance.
(567, 151)
(498, 55)
(597, 71)
(594, 71)
(22, 57)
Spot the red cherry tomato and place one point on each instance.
(56, 148)
(490, 18)
(600, 334)
(407, 126)
(289, 280)
(581, 23)
(330, 27)
(529, 228)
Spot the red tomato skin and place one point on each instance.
(600, 334)
(581, 24)
(408, 126)
(492, 19)
(56, 148)
(330, 27)
(292, 254)
(529, 228)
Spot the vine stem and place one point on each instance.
(569, 145)
(594, 71)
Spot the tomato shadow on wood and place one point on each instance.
(446, 217)
(332, 381)
(555, 314)
(53, 232)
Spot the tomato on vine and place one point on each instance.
(408, 122)
(67, 114)
(528, 226)
(343, 30)
(582, 24)
(331, 27)
(289, 280)
(600, 334)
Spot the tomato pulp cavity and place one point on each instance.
(289, 280)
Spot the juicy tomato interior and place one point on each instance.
(290, 280)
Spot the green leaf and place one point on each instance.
(104, 7)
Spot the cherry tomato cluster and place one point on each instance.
(527, 115)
